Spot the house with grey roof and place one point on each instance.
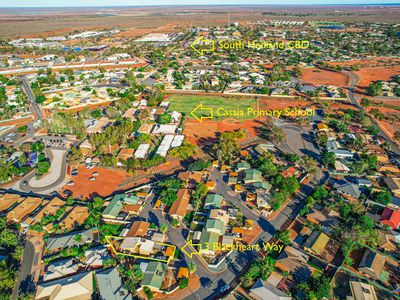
(262, 290)
(57, 243)
(110, 285)
(348, 188)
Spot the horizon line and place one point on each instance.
(205, 5)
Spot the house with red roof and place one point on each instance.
(391, 218)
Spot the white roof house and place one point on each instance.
(142, 150)
(164, 129)
(177, 141)
(165, 145)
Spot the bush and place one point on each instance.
(183, 283)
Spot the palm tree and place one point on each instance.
(163, 228)
(192, 267)
(247, 280)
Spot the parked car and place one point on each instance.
(224, 288)
(70, 183)
(95, 174)
(92, 178)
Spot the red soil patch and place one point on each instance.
(389, 126)
(323, 77)
(372, 61)
(106, 183)
(367, 75)
(196, 131)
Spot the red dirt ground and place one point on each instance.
(373, 61)
(196, 131)
(388, 126)
(107, 181)
(367, 75)
(323, 77)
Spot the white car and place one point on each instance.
(95, 174)
(70, 183)
(92, 178)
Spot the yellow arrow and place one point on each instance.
(191, 251)
(202, 110)
(201, 41)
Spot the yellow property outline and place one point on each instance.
(138, 256)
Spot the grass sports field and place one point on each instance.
(187, 103)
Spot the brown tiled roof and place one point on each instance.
(179, 207)
(138, 228)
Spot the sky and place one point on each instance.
(88, 3)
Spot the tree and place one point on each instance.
(96, 113)
(75, 155)
(164, 119)
(365, 102)
(43, 167)
(183, 283)
(383, 197)
(396, 136)
(283, 236)
(192, 267)
(328, 159)
(227, 147)
(185, 151)
(163, 228)
(309, 164)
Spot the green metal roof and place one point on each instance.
(214, 200)
(215, 224)
(154, 274)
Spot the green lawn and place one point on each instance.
(187, 103)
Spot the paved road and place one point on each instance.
(25, 272)
(49, 181)
(354, 80)
(31, 97)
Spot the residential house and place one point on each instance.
(373, 265)
(390, 217)
(154, 275)
(110, 285)
(137, 245)
(86, 148)
(75, 217)
(294, 262)
(213, 201)
(117, 204)
(50, 208)
(361, 291)
(8, 200)
(23, 209)
(125, 154)
(242, 166)
(393, 185)
(215, 225)
(61, 268)
(95, 257)
(348, 188)
(79, 286)
(219, 214)
(57, 243)
(262, 290)
(252, 175)
(207, 240)
(180, 206)
(341, 153)
(316, 242)
(138, 229)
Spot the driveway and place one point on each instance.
(52, 179)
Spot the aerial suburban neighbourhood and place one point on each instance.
(200, 152)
